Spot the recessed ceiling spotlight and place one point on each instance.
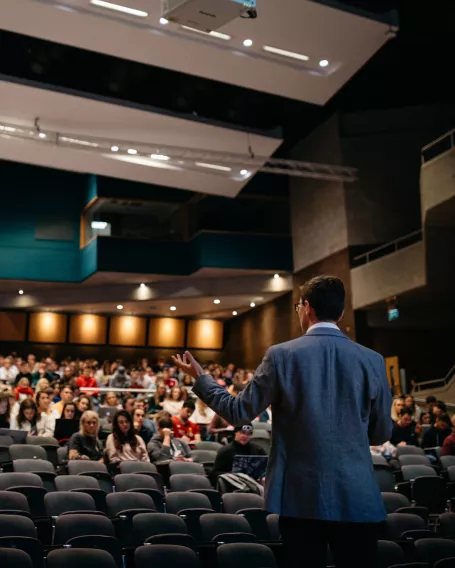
(120, 307)
(234, 313)
(42, 135)
(252, 305)
(159, 157)
(119, 8)
(248, 43)
(276, 276)
(216, 301)
(323, 63)
(21, 292)
(163, 21)
(285, 53)
(114, 148)
(244, 172)
(132, 151)
(213, 167)
(172, 308)
(142, 285)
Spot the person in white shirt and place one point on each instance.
(9, 371)
(202, 415)
(29, 420)
(174, 401)
(46, 415)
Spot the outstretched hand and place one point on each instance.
(188, 365)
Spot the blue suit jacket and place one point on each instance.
(330, 401)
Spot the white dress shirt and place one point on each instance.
(323, 324)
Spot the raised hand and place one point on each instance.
(188, 365)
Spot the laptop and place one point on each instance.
(18, 436)
(65, 428)
(107, 412)
(254, 466)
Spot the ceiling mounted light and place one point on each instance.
(248, 43)
(218, 35)
(234, 313)
(42, 135)
(159, 157)
(101, 225)
(114, 148)
(285, 53)
(119, 8)
(213, 167)
(7, 128)
(216, 301)
(244, 172)
(323, 63)
(163, 21)
(20, 292)
(252, 305)
(78, 142)
(120, 307)
(172, 308)
(132, 151)
(276, 276)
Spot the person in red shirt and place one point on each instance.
(87, 380)
(183, 428)
(448, 447)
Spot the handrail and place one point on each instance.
(394, 244)
(448, 136)
(444, 381)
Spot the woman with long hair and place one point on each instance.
(397, 407)
(85, 445)
(409, 404)
(69, 410)
(5, 410)
(124, 444)
(156, 402)
(83, 403)
(27, 419)
(174, 401)
(42, 385)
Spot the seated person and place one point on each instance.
(183, 428)
(163, 446)
(111, 401)
(67, 394)
(69, 411)
(120, 380)
(156, 401)
(436, 409)
(85, 445)
(435, 436)
(124, 444)
(174, 402)
(128, 403)
(150, 424)
(240, 446)
(404, 430)
(142, 430)
(448, 447)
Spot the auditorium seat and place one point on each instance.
(398, 523)
(409, 450)
(147, 526)
(145, 484)
(252, 508)
(446, 563)
(92, 469)
(19, 532)
(223, 527)
(379, 460)
(199, 484)
(273, 522)
(76, 558)
(385, 478)
(389, 554)
(447, 461)
(446, 525)
(61, 502)
(190, 506)
(50, 444)
(13, 558)
(211, 446)
(5, 443)
(245, 555)
(165, 555)
(426, 488)
(432, 550)
(124, 506)
(412, 459)
(178, 467)
(83, 484)
(27, 452)
(393, 501)
(42, 468)
(143, 468)
(12, 503)
(204, 456)
(30, 485)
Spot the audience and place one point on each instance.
(142, 430)
(174, 402)
(435, 436)
(163, 446)
(84, 403)
(183, 428)
(156, 403)
(9, 371)
(69, 411)
(404, 430)
(124, 444)
(397, 407)
(448, 447)
(409, 404)
(240, 446)
(111, 401)
(5, 410)
(67, 393)
(85, 445)
(120, 380)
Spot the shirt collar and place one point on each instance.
(323, 324)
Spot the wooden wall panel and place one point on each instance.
(205, 334)
(166, 332)
(12, 326)
(127, 330)
(47, 327)
(88, 329)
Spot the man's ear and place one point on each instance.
(341, 317)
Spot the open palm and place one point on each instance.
(188, 365)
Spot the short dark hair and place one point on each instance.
(441, 405)
(165, 422)
(406, 411)
(326, 295)
(189, 404)
(430, 399)
(443, 418)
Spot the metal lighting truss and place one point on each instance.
(235, 166)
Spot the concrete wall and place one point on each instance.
(391, 275)
(437, 181)
(318, 210)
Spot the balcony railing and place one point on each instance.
(442, 144)
(388, 248)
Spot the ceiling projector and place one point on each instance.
(207, 15)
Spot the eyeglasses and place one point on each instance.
(297, 307)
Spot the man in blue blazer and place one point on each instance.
(330, 401)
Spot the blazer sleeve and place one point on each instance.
(261, 391)
(380, 424)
